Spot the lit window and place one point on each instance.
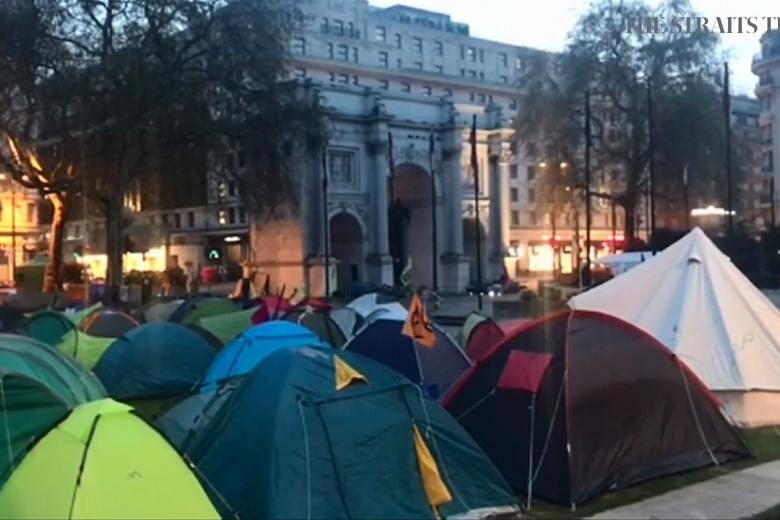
(380, 35)
(417, 44)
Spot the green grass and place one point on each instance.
(763, 442)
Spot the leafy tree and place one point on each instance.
(615, 67)
(144, 91)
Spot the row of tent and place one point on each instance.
(284, 422)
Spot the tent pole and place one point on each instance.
(531, 453)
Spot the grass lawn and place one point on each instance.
(763, 442)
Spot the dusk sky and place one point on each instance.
(545, 24)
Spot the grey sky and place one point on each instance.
(545, 24)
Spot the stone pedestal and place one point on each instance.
(379, 269)
(315, 282)
(454, 273)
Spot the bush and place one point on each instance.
(528, 296)
(73, 272)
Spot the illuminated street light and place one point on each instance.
(542, 164)
(564, 165)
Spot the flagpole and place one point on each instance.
(651, 160)
(685, 199)
(326, 223)
(475, 168)
(772, 201)
(727, 124)
(391, 211)
(587, 274)
(434, 231)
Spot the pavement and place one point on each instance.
(742, 494)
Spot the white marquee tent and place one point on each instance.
(696, 302)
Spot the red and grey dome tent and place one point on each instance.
(580, 402)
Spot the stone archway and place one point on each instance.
(412, 224)
(470, 248)
(346, 246)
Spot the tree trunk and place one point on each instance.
(52, 281)
(114, 248)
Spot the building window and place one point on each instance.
(332, 77)
(383, 59)
(242, 214)
(300, 72)
(355, 54)
(343, 53)
(513, 171)
(165, 219)
(519, 63)
(471, 52)
(398, 41)
(438, 48)
(232, 215)
(417, 44)
(503, 59)
(405, 87)
(176, 220)
(343, 78)
(399, 63)
(355, 80)
(330, 50)
(530, 149)
(531, 195)
(439, 69)
(426, 91)
(481, 98)
(324, 26)
(481, 56)
(30, 212)
(299, 45)
(471, 96)
(338, 27)
(351, 29)
(463, 52)
(512, 104)
(448, 92)
(191, 219)
(473, 74)
(482, 76)
(380, 34)
(513, 194)
(463, 72)
(383, 84)
(532, 217)
(418, 65)
(232, 186)
(503, 79)
(515, 217)
(531, 173)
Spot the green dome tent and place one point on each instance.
(48, 326)
(226, 327)
(78, 317)
(84, 347)
(38, 386)
(320, 323)
(202, 306)
(160, 311)
(315, 432)
(103, 461)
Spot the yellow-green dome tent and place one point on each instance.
(228, 326)
(103, 461)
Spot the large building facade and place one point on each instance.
(766, 65)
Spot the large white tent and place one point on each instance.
(696, 302)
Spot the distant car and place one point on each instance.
(495, 289)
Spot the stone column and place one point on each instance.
(379, 264)
(455, 266)
(497, 210)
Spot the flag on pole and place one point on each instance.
(418, 326)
